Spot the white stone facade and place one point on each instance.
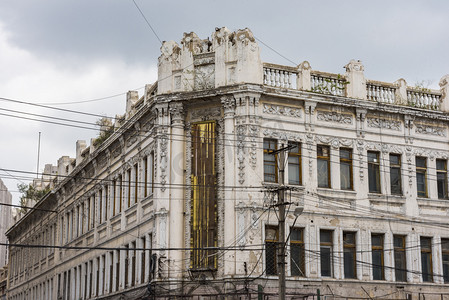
(118, 238)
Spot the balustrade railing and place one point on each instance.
(328, 84)
(381, 93)
(423, 99)
(279, 76)
(335, 84)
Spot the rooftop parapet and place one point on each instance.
(229, 58)
(353, 84)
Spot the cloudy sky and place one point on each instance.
(84, 55)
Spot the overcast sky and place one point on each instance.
(60, 52)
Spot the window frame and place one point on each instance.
(350, 248)
(421, 171)
(400, 253)
(445, 258)
(300, 265)
(270, 163)
(442, 172)
(326, 160)
(378, 248)
(269, 255)
(396, 166)
(347, 161)
(426, 253)
(330, 246)
(298, 157)
(374, 167)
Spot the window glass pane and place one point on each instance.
(377, 256)
(395, 174)
(400, 265)
(326, 252)
(421, 162)
(349, 256)
(269, 161)
(323, 173)
(271, 239)
(297, 261)
(426, 259)
(441, 179)
(421, 184)
(373, 172)
(445, 256)
(346, 169)
(294, 164)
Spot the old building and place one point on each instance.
(182, 198)
(5, 221)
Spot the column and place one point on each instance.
(130, 259)
(228, 103)
(147, 257)
(176, 208)
(101, 274)
(94, 277)
(83, 281)
(123, 255)
(89, 279)
(73, 283)
(139, 245)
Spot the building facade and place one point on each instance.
(182, 199)
(5, 221)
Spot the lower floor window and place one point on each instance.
(297, 261)
(271, 241)
(326, 253)
(349, 255)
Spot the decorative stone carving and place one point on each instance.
(241, 224)
(283, 136)
(384, 123)
(430, 130)
(206, 114)
(177, 113)
(310, 144)
(332, 116)
(253, 132)
(163, 146)
(334, 142)
(280, 110)
(241, 131)
(360, 144)
(228, 103)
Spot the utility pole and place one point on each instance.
(281, 227)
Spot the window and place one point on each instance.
(445, 256)
(373, 172)
(106, 204)
(136, 182)
(346, 169)
(297, 261)
(426, 259)
(294, 164)
(395, 174)
(442, 178)
(400, 263)
(349, 255)
(128, 177)
(120, 193)
(323, 165)
(100, 207)
(421, 172)
(326, 252)
(114, 197)
(271, 241)
(269, 161)
(377, 252)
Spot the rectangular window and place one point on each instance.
(294, 164)
(377, 252)
(400, 262)
(203, 208)
(326, 253)
(421, 176)
(128, 177)
(271, 241)
(136, 182)
(346, 169)
(373, 172)
(297, 258)
(426, 259)
(445, 256)
(270, 173)
(114, 197)
(120, 193)
(323, 166)
(106, 204)
(349, 255)
(442, 178)
(145, 176)
(100, 208)
(152, 173)
(395, 174)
